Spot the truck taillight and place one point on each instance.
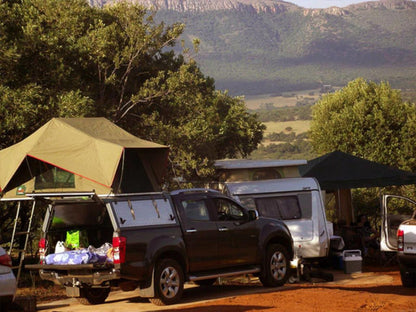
(42, 250)
(119, 249)
(400, 240)
(6, 260)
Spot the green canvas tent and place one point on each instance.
(81, 154)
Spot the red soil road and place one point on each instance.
(374, 290)
(369, 294)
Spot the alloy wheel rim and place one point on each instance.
(278, 265)
(169, 282)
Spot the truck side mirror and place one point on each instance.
(252, 215)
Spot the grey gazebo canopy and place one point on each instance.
(338, 170)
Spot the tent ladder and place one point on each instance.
(22, 252)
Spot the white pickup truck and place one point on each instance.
(399, 234)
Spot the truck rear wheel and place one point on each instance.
(408, 278)
(276, 266)
(93, 295)
(169, 281)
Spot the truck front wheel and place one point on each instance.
(276, 266)
(169, 281)
(93, 295)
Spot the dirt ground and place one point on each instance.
(376, 289)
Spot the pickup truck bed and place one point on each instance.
(94, 274)
(68, 266)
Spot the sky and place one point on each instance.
(320, 4)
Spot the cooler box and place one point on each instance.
(352, 261)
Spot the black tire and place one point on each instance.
(93, 295)
(276, 266)
(408, 278)
(206, 282)
(4, 306)
(168, 283)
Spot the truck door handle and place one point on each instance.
(191, 231)
(223, 229)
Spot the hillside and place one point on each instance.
(257, 47)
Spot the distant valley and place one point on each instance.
(267, 47)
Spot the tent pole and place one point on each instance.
(122, 170)
(344, 204)
(338, 206)
(352, 207)
(28, 167)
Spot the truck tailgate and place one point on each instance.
(409, 238)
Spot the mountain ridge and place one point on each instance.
(272, 46)
(265, 6)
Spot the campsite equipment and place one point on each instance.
(339, 172)
(81, 154)
(77, 155)
(296, 201)
(352, 261)
(76, 239)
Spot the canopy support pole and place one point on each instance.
(344, 205)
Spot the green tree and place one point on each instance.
(183, 109)
(42, 69)
(371, 121)
(63, 58)
(368, 120)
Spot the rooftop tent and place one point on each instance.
(338, 170)
(82, 154)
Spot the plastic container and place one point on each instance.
(352, 261)
(337, 260)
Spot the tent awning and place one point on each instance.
(338, 170)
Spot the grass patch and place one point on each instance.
(285, 99)
(297, 126)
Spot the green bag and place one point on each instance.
(76, 239)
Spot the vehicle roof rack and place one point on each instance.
(61, 194)
(195, 190)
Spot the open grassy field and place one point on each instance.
(297, 126)
(283, 100)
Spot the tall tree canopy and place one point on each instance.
(63, 58)
(368, 120)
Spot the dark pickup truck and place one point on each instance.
(156, 242)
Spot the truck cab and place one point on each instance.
(398, 234)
